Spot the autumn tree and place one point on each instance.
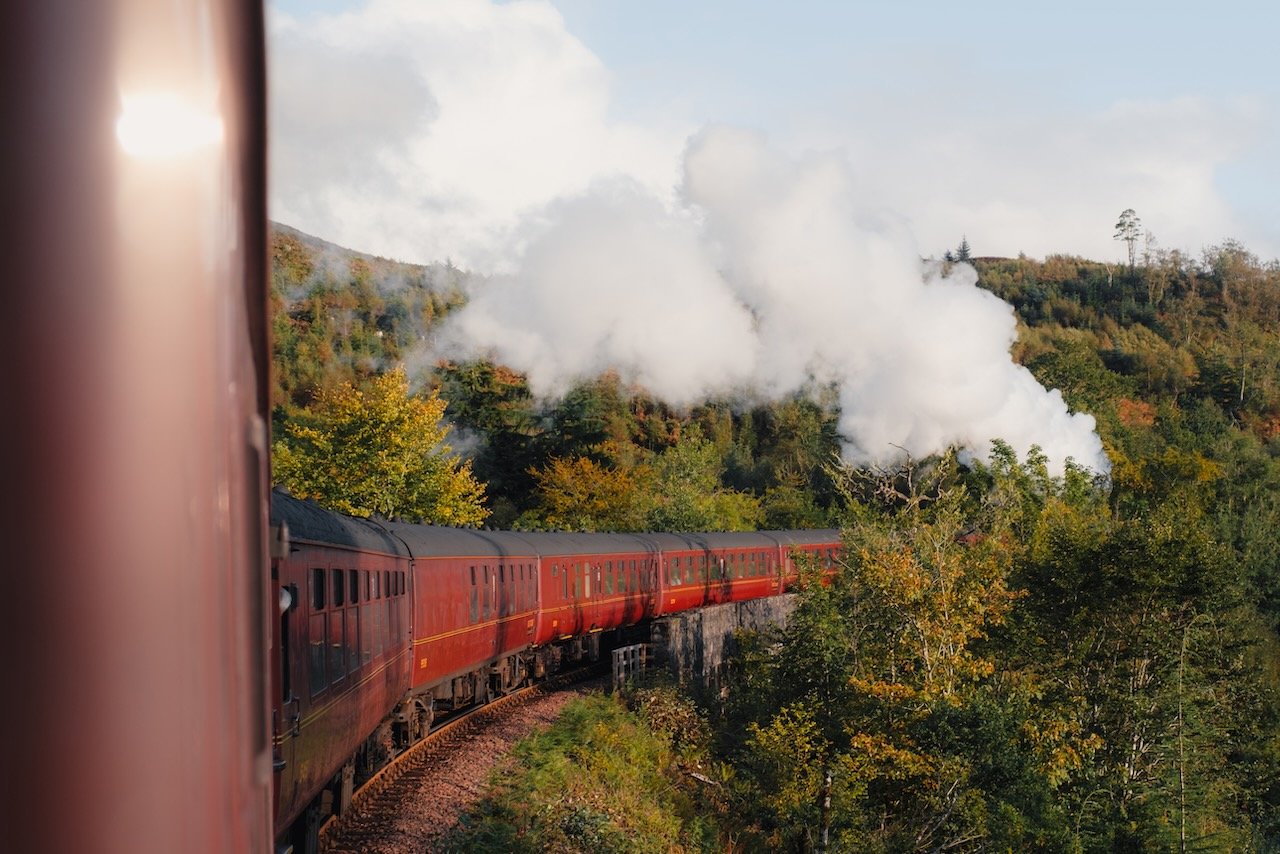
(580, 494)
(378, 449)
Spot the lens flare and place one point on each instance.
(164, 125)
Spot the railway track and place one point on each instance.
(417, 797)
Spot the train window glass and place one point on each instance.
(622, 576)
(674, 575)
(353, 586)
(365, 584)
(315, 632)
(337, 650)
(608, 578)
(317, 590)
(386, 583)
(339, 587)
(475, 609)
(501, 604)
(751, 564)
(373, 590)
(388, 625)
(353, 640)
(577, 581)
(366, 641)
(485, 601)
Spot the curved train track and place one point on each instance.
(382, 812)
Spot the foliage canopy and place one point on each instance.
(378, 449)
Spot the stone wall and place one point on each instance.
(695, 644)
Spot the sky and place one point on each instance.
(449, 129)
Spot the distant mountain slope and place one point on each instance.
(339, 314)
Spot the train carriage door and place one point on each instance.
(287, 705)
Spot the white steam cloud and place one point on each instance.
(770, 277)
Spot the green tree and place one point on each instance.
(685, 492)
(378, 449)
(1129, 229)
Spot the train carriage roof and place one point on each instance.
(805, 538)
(438, 541)
(309, 521)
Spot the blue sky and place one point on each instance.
(1024, 128)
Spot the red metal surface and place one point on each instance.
(348, 665)
(134, 439)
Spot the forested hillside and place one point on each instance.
(1007, 661)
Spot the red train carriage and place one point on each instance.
(385, 625)
(135, 443)
(343, 638)
(475, 596)
(592, 583)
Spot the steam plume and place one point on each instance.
(768, 278)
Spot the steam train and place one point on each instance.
(182, 675)
(384, 625)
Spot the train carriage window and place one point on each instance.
(608, 578)
(673, 574)
(577, 581)
(353, 586)
(376, 591)
(317, 590)
(366, 634)
(316, 640)
(751, 564)
(502, 590)
(475, 599)
(390, 627)
(353, 640)
(365, 584)
(386, 583)
(486, 602)
(337, 650)
(339, 587)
